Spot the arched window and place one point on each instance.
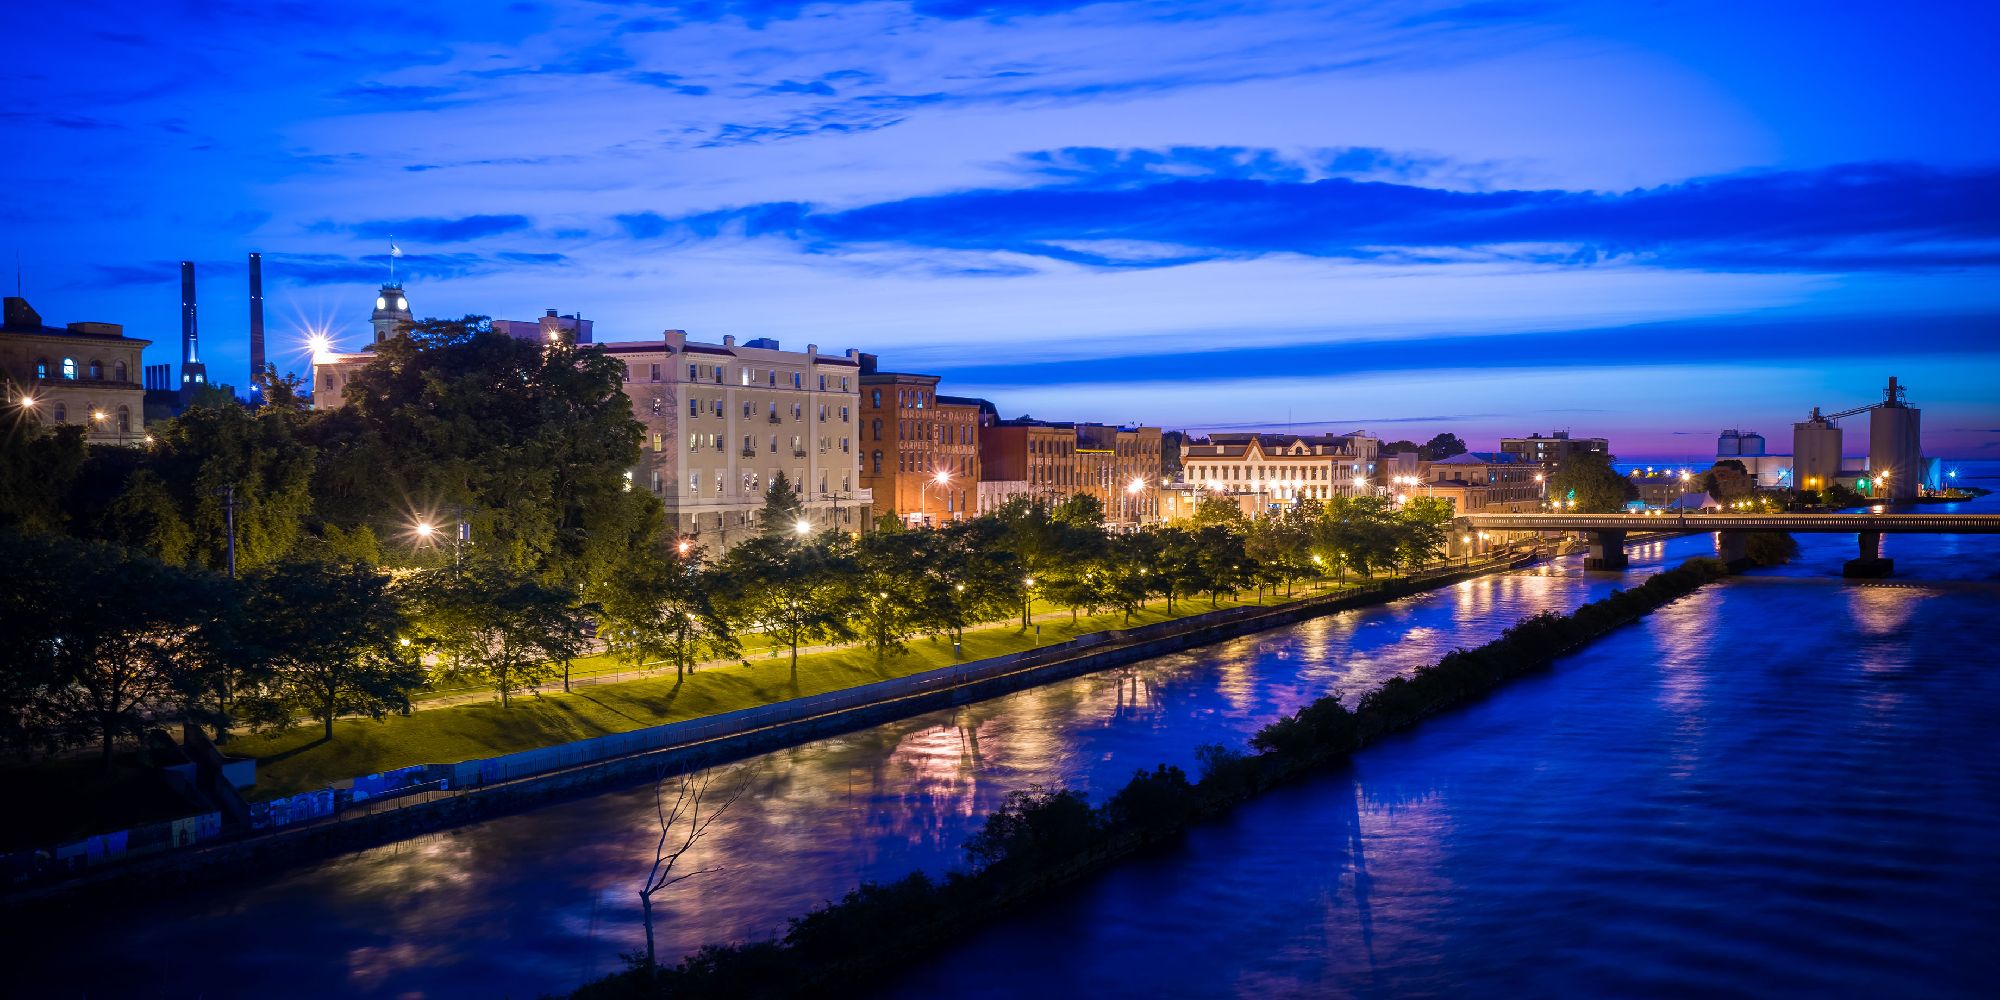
(69, 368)
(877, 402)
(62, 414)
(96, 370)
(41, 368)
(878, 455)
(118, 371)
(124, 419)
(878, 430)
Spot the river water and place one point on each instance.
(1785, 769)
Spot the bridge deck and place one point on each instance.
(1824, 523)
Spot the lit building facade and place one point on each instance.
(1283, 468)
(83, 374)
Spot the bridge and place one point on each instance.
(1606, 532)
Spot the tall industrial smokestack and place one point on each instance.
(193, 372)
(256, 318)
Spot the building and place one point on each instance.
(921, 456)
(1055, 460)
(720, 421)
(82, 374)
(1481, 483)
(1121, 467)
(1896, 466)
(1283, 468)
(1552, 451)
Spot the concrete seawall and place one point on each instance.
(284, 847)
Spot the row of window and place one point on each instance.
(1317, 473)
(752, 482)
(121, 418)
(68, 369)
(715, 374)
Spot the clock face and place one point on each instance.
(381, 303)
(400, 304)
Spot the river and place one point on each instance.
(1547, 793)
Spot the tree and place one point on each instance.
(334, 640)
(1728, 481)
(972, 576)
(37, 466)
(783, 509)
(663, 608)
(501, 628)
(213, 472)
(530, 441)
(109, 640)
(793, 590)
(1425, 524)
(1079, 510)
(1441, 447)
(1282, 544)
(682, 825)
(1588, 479)
(1214, 510)
(889, 585)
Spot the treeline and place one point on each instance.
(1046, 837)
(260, 567)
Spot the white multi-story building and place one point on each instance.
(721, 420)
(1285, 468)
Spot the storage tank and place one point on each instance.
(1895, 446)
(1815, 452)
(1752, 443)
(1728, 444)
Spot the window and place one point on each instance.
(822, 383)
(693, 372)
(718, 381)
(120, 371)
(694, 483)
(747, 375)
(878, 455)
(718, 488)
(41, 368)
(843, 414)
(656, 406)
(656, 373)
(69, 368)
(798, 412)
(694, 442)
(798, 380)
(656, 450)
(656, 480)
(746, 410)
(96, 369)
(718, 406)
(774, 444)
(771, 378)
(694, 407)
(62, 414)
(877, 399)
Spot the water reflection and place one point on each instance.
(529, 903)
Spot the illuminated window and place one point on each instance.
(69, 368)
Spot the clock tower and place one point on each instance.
(392, 312)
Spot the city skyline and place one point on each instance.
(1488, 219)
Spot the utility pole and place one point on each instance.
(228, 495)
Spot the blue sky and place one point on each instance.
(1644, 220)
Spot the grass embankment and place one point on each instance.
(1046, 838)
(300, 759)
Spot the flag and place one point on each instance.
(395, 251)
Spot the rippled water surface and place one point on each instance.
(1502, 847)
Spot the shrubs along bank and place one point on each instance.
(1044, 838)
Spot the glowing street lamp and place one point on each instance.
(943, 478)
(803, 527)
(1027, 595)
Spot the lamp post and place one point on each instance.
(1027, 596)
(1467, 541)
(1131, 496)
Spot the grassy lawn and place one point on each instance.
(299, 760)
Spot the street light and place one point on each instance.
(1027, 595)
(803, 527)
(1131, 496)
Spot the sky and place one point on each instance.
(1647, 221)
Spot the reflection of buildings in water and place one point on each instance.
(1682, 640)
(1136, 694)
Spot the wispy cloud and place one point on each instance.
(1132, 209)
(435, 230)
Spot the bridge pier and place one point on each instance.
(1870, 565)
(1607, 550)
(1733, 548)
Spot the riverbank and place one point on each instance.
(958, 685)
(1047, 839)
